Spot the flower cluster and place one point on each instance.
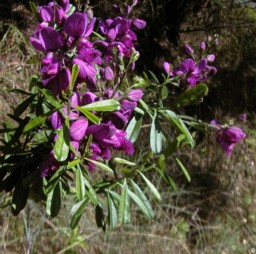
(227, 137)
(190, 70)
(103, 57)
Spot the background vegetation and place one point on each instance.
(216, 212)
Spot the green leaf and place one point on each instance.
(152, 188)
(34, 9)
(49, 186)
(123, 161)
(61, 147)
(105, 105)
(80, 184)
(112, 212)
(133, 128)
(164, 92)
(143, 198)
(77, 211)
(92, 117)
(19, 198)
(75, 72)
(90, 192)
(34, 123)
(71, 10)
(185, 172)
(123, 210)
(53, 202)
(177, 121)
(99, 216)
(140, 204)
(51, 98)
(101, 165)
(24, 105)
(156, 135)
(191, 96)
(73, 163)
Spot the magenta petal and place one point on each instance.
(90, 27)
(51, 38)
(56, 120)
(127, 105)
(167, 67)
(46, 13)
(37, 43)
(201, 66)
(64, 78)
(88, 98)
(139, 23)
(78, 129)
(75, 24)
(187, 65)
(109, 74)
(135, 95)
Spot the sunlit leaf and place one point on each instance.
(156, 135)
(105, 105)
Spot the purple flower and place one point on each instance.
(78, 129)
(135, 95)
(75, 24)
(228, 137)
(243, 117)
(78, 24)
(139, 23)
(46, 13)
(48, 39)
(49, 165)
(188, 49)
(56, 120)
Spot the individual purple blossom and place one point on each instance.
(139, 23)
(167, 68)
(47, 39)
(227, 137)
(135, 95)
(243, 117)
(188, 50)
(78, 24)
(78, 129)
(56, 120)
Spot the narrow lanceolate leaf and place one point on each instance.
(89, 115)
(19, 198)
(77, 211)
(75, 71)
(90, 192)
(53, 202)
(24, 105)
(183, 169)
(100, 218)
(105, 105)
(140, 204)
(51, 98)
(124, 209)
(133, 128)
(123, 161)
(61, 147)
(112, 212)
(177, 121)
(80, 184)
(152, 188)
(156, 135)
(141, 195)
(34, 123)
(101, 165)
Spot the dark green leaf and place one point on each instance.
(152, 188)
(112, 212)
(92, 117)
(24, 105)
(75, 71)
(90, 192)
(124, 205)
(19, 198)
(191, 96)
(51, 98)
(99, 216)
(101, 165)
(53, 202)
(183, 169)
(77, 211)
(133, 128)
(61, 147)
(80, 184)
(177, 121)
(164, 92)
(156, 135)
